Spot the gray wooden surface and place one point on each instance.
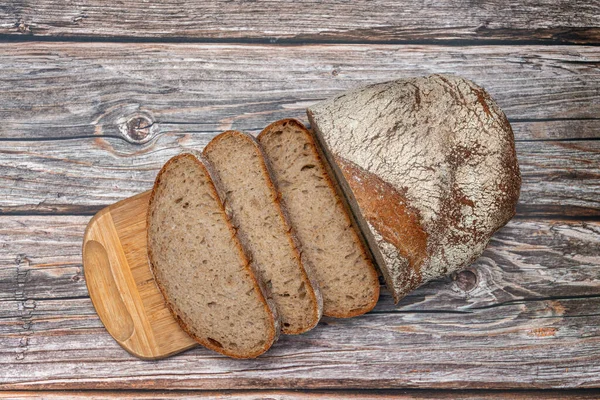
(94, 98)
(553, 21)
(396, 394)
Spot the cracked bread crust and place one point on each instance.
(227, 184)
(271, 321)
(429, 165)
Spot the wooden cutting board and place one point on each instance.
(121, 284)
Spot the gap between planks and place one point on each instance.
(331, 394)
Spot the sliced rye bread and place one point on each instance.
(243, 179)
(200, 266)
(330, 239)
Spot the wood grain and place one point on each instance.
(560, 21)
(312, 394)
(42, 256)
(65, 90)
(81, 176)
(95, 97)
(524, 316)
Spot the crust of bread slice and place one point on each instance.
(371, 281)
(288, 240)
(270, 312)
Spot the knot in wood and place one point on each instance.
(466, 280)
(22, 27)
(138, 129)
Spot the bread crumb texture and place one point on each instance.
(331, 245)
(199, 266)
(253, 205)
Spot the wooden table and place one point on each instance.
(95, 98)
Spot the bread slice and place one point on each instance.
(255, 210)
(200, 267)
(329, 236)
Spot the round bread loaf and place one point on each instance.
(429, 168)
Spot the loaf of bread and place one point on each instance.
(429, 167)
(252, 203)
(330, 240)
(200, 266)
(416, 174)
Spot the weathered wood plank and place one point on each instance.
(40, 259)
(525, 316)
(362, 21)
(533, 344)
(58, 90)
(312, 394)
(561, 174)
(569, 129)
(83, 175)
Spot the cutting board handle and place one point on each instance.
(110, 306)
(121, 284)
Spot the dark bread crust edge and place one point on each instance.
(307, 276)
(333, 184)
(274, 331)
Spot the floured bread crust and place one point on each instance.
(429, 167)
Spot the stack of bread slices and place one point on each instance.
(257, 236)
(253, 237)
